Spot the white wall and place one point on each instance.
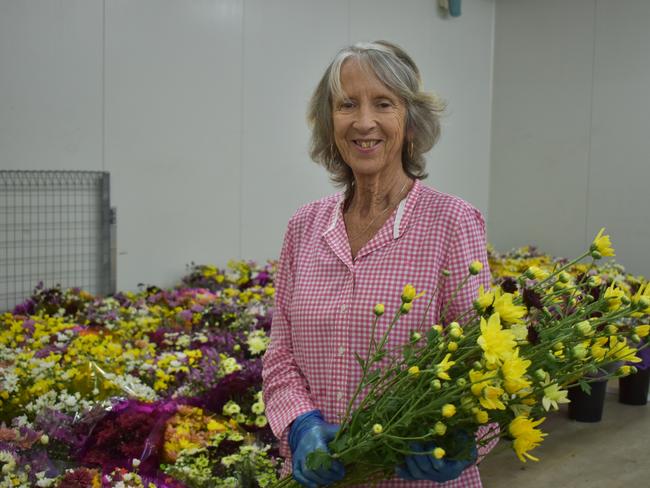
(571, 113)
(197, 109)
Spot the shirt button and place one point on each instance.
(341, 351)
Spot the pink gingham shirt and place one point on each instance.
(325, 300)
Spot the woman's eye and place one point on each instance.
(347, 104)
(385, 104)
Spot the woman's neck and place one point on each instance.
(371, 196)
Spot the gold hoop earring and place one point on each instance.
(410, 150)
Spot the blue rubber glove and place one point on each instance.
(426, 467)
(308, 433)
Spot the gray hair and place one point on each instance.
(395, 69)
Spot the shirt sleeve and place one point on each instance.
(468, 244)
(285, 389)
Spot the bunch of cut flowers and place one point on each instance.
(506, 363)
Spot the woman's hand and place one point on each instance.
(309, 433)
(426, 467)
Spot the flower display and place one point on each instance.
(130, 390)
(162, 387)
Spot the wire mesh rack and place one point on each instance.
(55, 228)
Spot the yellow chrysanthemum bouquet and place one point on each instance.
(506, 363)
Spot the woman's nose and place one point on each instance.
(365, 119)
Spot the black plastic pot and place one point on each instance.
(633, 389)
(587, 408)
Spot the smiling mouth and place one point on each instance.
(367, 144)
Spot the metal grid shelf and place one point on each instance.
(55, 227)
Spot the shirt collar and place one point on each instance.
(402, 216)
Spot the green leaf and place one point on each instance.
(584, 386)
(319, 459)
(360, 360)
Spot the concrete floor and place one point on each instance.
(612, 453)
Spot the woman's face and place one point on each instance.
(369, 124)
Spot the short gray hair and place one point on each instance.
(395, 69)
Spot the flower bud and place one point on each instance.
(611, 329)
(406, 307)
(448, 410)
(439, 428)
(461, 382)
(408, 294)
(644, 302)
(624, 370)
(594, 281)
(564, 277)
(584, 328)
(435, 384)
(455, 330)
(416, 336)
(437, 328)
(540, 374)
(579, 352)
(446, 273)
(596, 255)
(476, 365)
(481, 417)
(379, 309)
(635, 338)
(558, 346)
(377, 429)
(414, 371)
(45, 439)
(475, 268)
(452, 346)
(135, 462)
(236, 347)
(439, 453)
(625, 300)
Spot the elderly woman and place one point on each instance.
(371, 125)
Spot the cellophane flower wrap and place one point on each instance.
(506, 364)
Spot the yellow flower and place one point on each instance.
(613, 296)
(377, 429)
(443, 366)
(526, 436)
(408, 294)
(536, 273)
(619, 350)
(414, 371)
(379, 309)
(481, 416)
(513, 370)
(597, 350)
(552, 396)
(602, 244)
(642, 330)
(439, 453)
(484, 300)
(452, 346)
(497, 343)
(481, 379)
(448, 410)
(509, 312)
(491, 398)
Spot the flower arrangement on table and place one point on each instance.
(160, 388)
(508, 362)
